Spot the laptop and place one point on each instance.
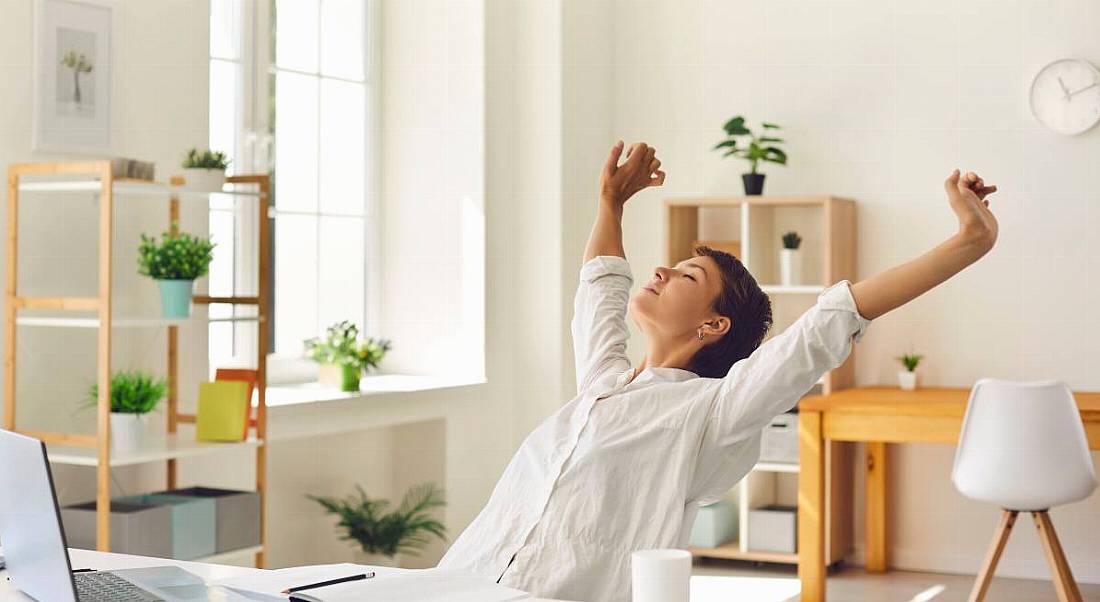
(35, 551)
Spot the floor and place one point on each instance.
(719, 581)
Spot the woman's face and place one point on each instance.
(677, 301)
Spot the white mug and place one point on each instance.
(660, 575)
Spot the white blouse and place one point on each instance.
(625, 465)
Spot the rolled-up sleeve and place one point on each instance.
(773, 379)
(599, 319)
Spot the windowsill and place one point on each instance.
(383, 384)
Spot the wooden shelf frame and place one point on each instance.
(838, 232)
(97, 177)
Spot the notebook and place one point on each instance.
(388, 584)
(223, 411)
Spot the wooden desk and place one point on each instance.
(877, 416)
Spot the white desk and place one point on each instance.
(85, 559)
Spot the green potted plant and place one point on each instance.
(205, 170)
(790, 259)
(175, 262)
(754, 150)
(907, 378)
(133, 395)
(342, 358)
(380, 534)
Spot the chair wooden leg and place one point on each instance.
(1064, 582)
(1000, 538)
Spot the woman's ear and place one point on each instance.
(716, 327)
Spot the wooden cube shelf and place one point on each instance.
(751, 228)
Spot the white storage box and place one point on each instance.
(773, 529)
(715, 525)
(780, 440)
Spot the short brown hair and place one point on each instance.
(749, 310)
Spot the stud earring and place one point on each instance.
(701, 334)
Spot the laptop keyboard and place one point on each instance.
(98, 586)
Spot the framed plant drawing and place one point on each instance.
(73, 46)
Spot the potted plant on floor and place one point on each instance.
(133, 395)
(382, 535)
(907, 378)
(790, 259)
(341, 356)
(754, 150)
(175, 262)
(205, 170)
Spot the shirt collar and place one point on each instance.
(656, 374)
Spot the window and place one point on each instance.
(231, 221)
(320, 77)
(307, 90)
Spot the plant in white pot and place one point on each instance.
(907, 378)
(754, 150)
(341, 356)
(382, 535)
(790, 259)
(133, 395)
(175, 262)
(205, 170)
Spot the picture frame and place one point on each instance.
(73, 79)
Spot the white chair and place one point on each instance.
(1023, 448)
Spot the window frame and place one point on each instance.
(256, 145)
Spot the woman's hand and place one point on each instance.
(967, 197)
(620, 182)
(899, 285)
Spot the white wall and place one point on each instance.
(880, 100)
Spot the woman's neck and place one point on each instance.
(666, 355)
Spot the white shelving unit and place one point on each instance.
(751, 228)
(95, 312)
(172, 447)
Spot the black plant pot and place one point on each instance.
(754, 183)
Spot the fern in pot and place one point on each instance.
(342, 357)
(133, 395)
(205, 170)
(382, 534)
(175, 261)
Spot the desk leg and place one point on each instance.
(811, 507)
(875, 514)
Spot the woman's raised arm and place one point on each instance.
(977, 233)
(617, 184)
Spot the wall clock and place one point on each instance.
(1065, 96)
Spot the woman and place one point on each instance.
(625, 464)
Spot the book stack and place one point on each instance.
(132, 168)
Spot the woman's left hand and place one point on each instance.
(967, 196)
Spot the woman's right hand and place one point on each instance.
(641, 170)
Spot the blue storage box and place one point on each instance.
(715, 525)
(194, 523)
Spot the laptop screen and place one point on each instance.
(30, 524)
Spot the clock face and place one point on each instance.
(1065, 96)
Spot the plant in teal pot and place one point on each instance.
(175, 262)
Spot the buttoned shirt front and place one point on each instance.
(626, 463)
